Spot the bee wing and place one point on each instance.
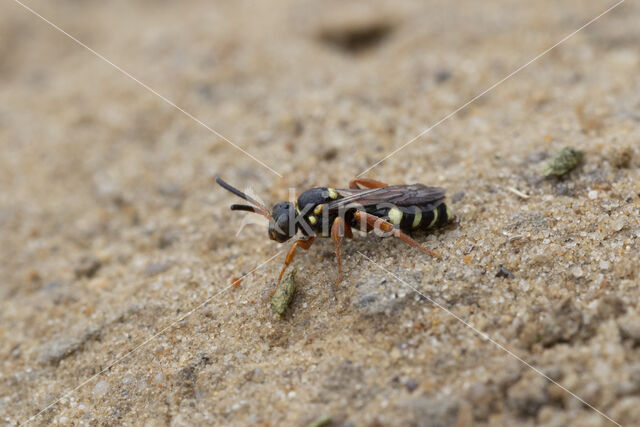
(398, 195)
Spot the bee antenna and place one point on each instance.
(257, 207)
(245, 208)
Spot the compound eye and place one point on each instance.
(282, 224)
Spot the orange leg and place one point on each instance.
(304, 244)
(373, 221)
(366, 182)
(338, 230)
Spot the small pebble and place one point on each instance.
(442, 75)
(88, 266)
(156, 268)
(367, 299)
(576, 271)
(503, 272)
(411, 384)
(593, 194)
(100, 388)
(457, 197)
(618, 224)
(98, 283)
(15, 352)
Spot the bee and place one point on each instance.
(334, 212)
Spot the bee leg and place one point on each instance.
(380, 224)
(338, 230)
(366, 182)
(304, 244)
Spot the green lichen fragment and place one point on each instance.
(565, 161)
(284, 294)
(321, 421)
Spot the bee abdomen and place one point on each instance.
(437, 217)
(414, 217)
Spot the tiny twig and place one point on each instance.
(518, 193)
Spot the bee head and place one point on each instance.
(282, 218)
(283, 225)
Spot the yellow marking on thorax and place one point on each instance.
(318, 210)
(312, 220)
(333, 194)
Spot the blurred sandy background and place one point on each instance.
(112, 227)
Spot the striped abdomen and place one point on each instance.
(409, 218)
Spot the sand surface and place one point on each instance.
(117, 246)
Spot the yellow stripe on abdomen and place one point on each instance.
(395, 216)
(417, 217)
(435, 218)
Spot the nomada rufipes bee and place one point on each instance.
(334, 212)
